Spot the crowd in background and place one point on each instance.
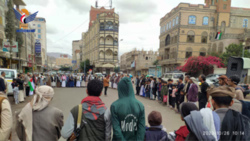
(228, 119)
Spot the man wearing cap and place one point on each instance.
(233, 124)
(223, 80)
(233, 81)
(192, 94)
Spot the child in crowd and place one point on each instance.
(159, 89)
(164, 90)
(147, 88)
(173, 95)
(16, 92)
(155, 132)
(13, 83)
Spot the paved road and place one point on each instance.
(66, 98)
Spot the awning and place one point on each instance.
(108, 66)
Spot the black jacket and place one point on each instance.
(20, 83)
(203, 93)
(143, 81)
(137, 82)
(2, 85)
(237, 125)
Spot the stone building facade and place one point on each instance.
(190, 30)
(137, 62)
(101, 40)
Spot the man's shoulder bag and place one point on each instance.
(75, 135)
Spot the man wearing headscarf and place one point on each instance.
(222, 80)
(235, 125)
(127, 110)
(38, 121)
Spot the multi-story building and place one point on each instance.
(76, 53)
(63, 61)
(39, 24)
(138, 62)
(190, 30)
(3, 10)
(101, 39)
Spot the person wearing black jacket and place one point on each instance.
(142, 84)
(203, 96)
(20, 82)
(137, 85)
(179, 97)
(2, 85)
(170, 90)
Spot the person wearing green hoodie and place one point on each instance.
(127, 114)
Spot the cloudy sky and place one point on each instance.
(139, 20)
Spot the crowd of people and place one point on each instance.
(125, 118)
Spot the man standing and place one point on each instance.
(192, 94)
(187, 84)
(203, 95)
(137, 85)
(170, 90)
(128, 116)
(95, 123)
(6, 116)
(142, 83)
(179, 97)
(112, 79)
(26, 81)
(233, 124)
(3, 87)
(21, 90)
(233, 81)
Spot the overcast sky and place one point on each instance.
(139, 20)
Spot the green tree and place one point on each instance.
(156, 62)
(233, 50)
(87, 65)
(10, 23)
(63, 68)
(19, 39)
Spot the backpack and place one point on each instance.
(1, 101)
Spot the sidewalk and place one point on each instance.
(15, 108)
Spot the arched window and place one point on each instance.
(101, 54)
(163, 28)
(214, 48)
(109, 40)
(177, 20)
(109, 54)
(192, 19)
(205, 20)
(204, 37)
(146, 58)
(189, 52)
(190, 36)
(167, 26)
(245, 23)
(203, 51)
(167, 40)
(170, 25)
(173, 22)
(116, 27)
(116, 42)
(220, 48)
(101, 40)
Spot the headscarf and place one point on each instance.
(41, 99)
(186, 108)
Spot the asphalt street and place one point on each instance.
(66, 98)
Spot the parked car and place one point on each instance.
(174, 76)
(9, 75)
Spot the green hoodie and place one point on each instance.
(128, 116)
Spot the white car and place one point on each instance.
(9, 75)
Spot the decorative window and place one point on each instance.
(190, 36)
(245, 23)
(38, 25)
(177, 20)
(164, 28)
(192, 19)
(167, 40)
(39, 30)
(204, 37)
(102, 26)
(189, 52)
(170, 25)
(109, 25)
(39, 36)
(203, 52)
(173, 22)
(205, 20)
(167, 26)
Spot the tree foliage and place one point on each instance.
(156, 62)
(233, 50)
(63, 68)
(87, 65)
(19, 39)
(194, 65)
(10, 23)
